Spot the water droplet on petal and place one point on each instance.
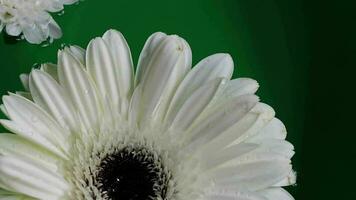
(34, 119)
(60, 13)
(63, 45)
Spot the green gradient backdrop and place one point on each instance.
(291, 47)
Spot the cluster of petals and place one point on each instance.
(31, 18)
(229, 144)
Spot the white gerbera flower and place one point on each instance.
(31, 18)
(87, 129)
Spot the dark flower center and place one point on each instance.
(131, 175)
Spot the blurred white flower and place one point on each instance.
(31, 18)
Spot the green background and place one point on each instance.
(301, 53)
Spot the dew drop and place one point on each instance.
(47, 42)
(31, 134)
(63, 45)
(19, 38)
(61, 13)
(34, 119)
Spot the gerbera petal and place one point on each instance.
(121, 55)
(14, 145)
(276, 194)
(280, 147)
(25, 81)
(166, 66)
(227, 194)
(135, 105)
(194, 105)
(217, 120)
(30, 120)
(275, 129)
(33, 33)
(50, 69)
(77, 52)
(221, 157)
(76, 81)
(210, 68)
(251, 124)
(290, 179)
(101, 67)
(30, 178)
(265, 115)
(238, 87)
(13, 29)
(252, 176)
(55, 31)
(31, 136)
(151, 44)
(51, 96)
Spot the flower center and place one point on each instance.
(131, 174)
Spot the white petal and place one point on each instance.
(291, 179)
(226, 194)
(258, 155)
(252, 176)
(275, 129)
(210, 68)
(33, 33)
(251, 124)
(76, 81)
(24, 80)
(101, 67)
(51, 69)
(167, 65)
(215, 66)
(236, 87)
(54, 30)
(265, 115)
(35, 124)
(51, 96)
(31, 179)
(194, 105)
(281, 147)
(135, 105)
(276, 194)
(121, 55)
(217, 120)
(227, 154)
(151, 44)
(14, 145)
(13, 29)
(77, 52)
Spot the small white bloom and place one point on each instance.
(31, 18)
(89, 128)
